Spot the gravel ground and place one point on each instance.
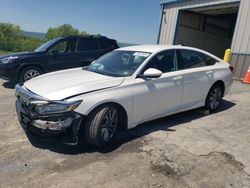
(190, 149)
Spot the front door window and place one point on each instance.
(65, 46)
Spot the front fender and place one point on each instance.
(23, 65)
(119, 95)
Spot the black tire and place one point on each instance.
(28, 73)
(214, 98)
(98, 130)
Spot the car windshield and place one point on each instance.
(118, 63)
(46, 45)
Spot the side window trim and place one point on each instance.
(179, 59)
(77, 43)
(175, 61)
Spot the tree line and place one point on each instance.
(13, 40)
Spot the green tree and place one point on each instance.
(29, 43)
(11, 39)
(9, 35)
(63, 30)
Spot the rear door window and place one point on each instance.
(105, 44)
(87, 44)
(194, 59)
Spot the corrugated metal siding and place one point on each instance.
(241, 40)
(240, 43)
(241, 63)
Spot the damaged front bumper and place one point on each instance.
(59, 126)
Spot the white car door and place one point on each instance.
(154, 97)
(198, 76)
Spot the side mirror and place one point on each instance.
(152, 73)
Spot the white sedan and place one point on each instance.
(120, 90)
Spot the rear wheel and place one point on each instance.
(29, 72)
(101, 125)
(214, 97)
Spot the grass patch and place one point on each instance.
(2, 52)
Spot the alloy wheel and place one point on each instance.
(215, 98)
(31, 74)
(109, 125)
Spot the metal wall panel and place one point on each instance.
(240, 45)
(241, 38)
(239, 65)
(168, 26)
(241, 62)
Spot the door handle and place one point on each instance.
(178, 78)
(209, 72)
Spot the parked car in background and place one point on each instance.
(120, 90)
(57, 54)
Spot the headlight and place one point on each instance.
(55, 107)
(8, 59)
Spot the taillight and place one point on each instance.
(231, 68)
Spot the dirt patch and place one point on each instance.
(228, 158)
(197, 170)
(166, 170)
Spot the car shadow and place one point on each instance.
(9, 84)
(164, 124)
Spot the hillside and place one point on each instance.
(34, 34)
(122, 44)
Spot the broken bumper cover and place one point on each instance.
(62, 127)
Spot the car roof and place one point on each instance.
(156, 48)
(85, 36)
(146, 48)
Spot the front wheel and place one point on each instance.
(214, 98)
(101, 125)
(28, 73)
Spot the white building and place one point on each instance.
(212, 25)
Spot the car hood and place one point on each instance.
(64, 84)
(19, 54)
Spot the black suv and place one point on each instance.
(60, 53)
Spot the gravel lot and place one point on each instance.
(190, 149)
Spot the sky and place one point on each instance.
(130, 21)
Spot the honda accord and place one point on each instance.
(120, 90)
